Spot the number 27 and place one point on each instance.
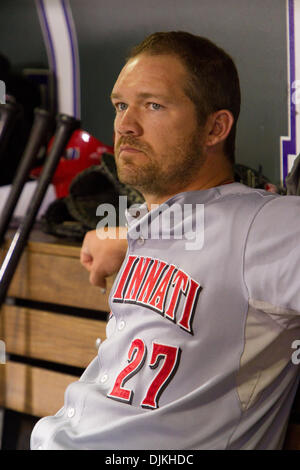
(136, 358)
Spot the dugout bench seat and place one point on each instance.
(51, 324)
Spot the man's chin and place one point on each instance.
(135, 181)
(129, 173)
(127, 176)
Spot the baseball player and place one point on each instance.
(199, 338)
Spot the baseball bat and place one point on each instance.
(65, 126)
(9, 113)
(38, 133)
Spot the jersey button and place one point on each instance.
(121, 325)
(71, 412)
(104, 378)
(97, 343)
(141, 240)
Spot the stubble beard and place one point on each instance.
(148, 176)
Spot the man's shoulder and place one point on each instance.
(266, 207)
(239, 190)
(234, 191)
(237, 197)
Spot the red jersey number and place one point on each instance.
(170, 355)
(136, 359)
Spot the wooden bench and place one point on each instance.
(43, 341)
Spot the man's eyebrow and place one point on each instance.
(152, 95)
(115, 96)
(142, 95)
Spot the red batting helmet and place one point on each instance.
(82, 151)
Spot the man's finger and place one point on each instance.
(97, 279)
(85, 258)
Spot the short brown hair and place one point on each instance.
(213, 82)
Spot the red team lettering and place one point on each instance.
(148, 282)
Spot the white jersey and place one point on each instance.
(199, 342)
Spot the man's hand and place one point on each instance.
(103, 257)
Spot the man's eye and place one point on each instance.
(155, 106)
(120, 106)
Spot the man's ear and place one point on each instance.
(219, 125)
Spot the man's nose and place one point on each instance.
(127, 123)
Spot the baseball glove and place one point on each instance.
(75, 214)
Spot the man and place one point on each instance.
(199, 340)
